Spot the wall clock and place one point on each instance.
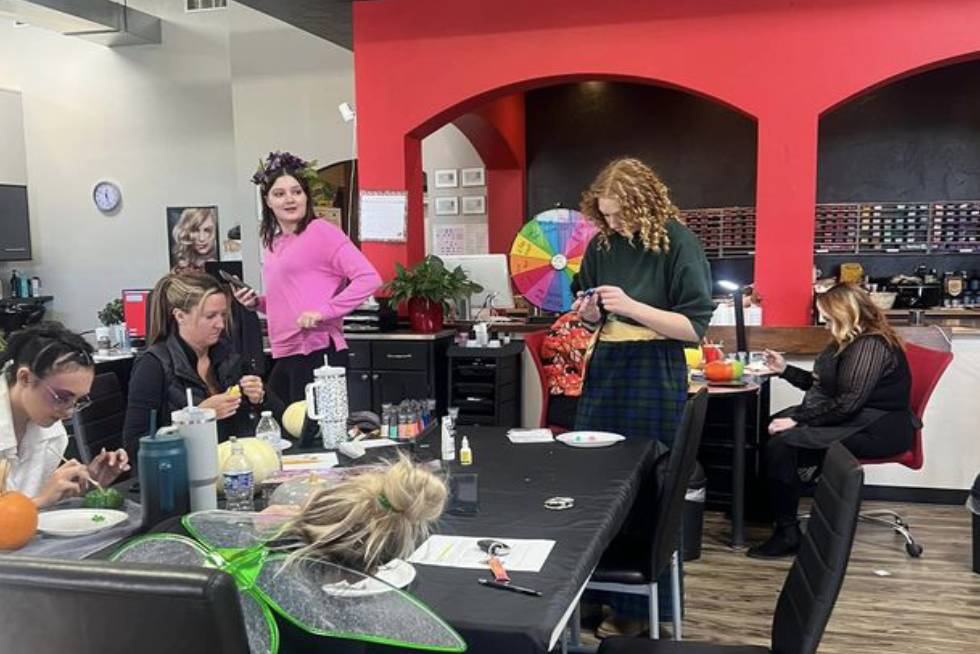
(107, 196)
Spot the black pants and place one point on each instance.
(290, 375)
(784, 463)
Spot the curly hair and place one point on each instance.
(191, 221)
(644, 200)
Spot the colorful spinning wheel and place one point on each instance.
(546, 255)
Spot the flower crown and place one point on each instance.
(278, 161)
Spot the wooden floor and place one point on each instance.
(929, 605)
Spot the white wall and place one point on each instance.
(171, 125)
(449, 148)
(13, 157)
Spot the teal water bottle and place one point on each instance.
(163, 476)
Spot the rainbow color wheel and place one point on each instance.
(546, 255)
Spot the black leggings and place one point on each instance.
(290, 375)
(784, 462)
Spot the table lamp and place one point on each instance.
(736, 291)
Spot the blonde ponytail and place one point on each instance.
(183, 291)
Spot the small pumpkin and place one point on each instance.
(723, 371)
(18, 514)
(264, 459)
(293, 417)
(109, 498)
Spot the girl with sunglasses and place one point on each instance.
(46, 372)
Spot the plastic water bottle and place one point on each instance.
(238, 479)
(268, 430)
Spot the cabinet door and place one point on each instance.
(393, 387)
(359, 390)
(15, 230)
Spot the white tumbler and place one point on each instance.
(199, 429)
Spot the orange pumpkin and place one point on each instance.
(18, 515)
(721, 371)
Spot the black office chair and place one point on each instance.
(636, 559)
(814, 580)
(101, 423)
(95, 607)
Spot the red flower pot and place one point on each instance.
(425, 315)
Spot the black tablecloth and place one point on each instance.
(514, 482)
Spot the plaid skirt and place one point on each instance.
(634, 388)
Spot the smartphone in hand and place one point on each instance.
(234, 280)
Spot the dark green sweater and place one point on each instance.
(678, 281)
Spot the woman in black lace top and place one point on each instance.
(858, 393)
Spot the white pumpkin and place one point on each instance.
(292, 418)
(261, 456)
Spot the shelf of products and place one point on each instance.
(956, 226)
(723, 232)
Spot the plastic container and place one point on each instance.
(239, 483)
(268, 430)
(693, 518)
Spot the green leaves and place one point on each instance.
(112, 313)
(430, 279)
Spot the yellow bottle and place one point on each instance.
(465, 453)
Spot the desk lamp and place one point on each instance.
(736, 291)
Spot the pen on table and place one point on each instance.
(511, 587)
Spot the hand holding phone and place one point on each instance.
(234, 280)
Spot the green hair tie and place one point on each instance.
(383, 501)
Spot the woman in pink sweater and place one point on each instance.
(313, 276)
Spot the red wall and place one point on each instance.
(423, 63)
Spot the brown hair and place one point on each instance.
(371, 518)
(269, 228)
(851, 313)
(644, 200)
(184, 291)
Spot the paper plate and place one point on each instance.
(78, 522)
(397, 573)
(589, 438)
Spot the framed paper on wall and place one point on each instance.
(447, 206)
(446, 178)
(192, 237)
(473, 177)
(474, 204)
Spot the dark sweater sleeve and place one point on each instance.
(864, 363)
(690, 282)
(146, 389)
(802, 379)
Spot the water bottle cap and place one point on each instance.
(267, 414)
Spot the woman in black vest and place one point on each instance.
(189, 350)
(858, 393)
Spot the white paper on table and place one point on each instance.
(369, 443)
(522, 436)
(526, 555)
(312, 461)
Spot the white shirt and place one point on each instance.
(40, 450)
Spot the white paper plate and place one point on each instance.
(398, 573)
(78, 522)
(284, 444)
(589, 438)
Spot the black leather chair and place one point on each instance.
(814, 580)
(96, 607)
(638, 556)
(101, 423)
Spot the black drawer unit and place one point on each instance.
(485, 383)
(392, 367)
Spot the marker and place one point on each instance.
(511, 587)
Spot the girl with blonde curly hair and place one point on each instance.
(648, 288)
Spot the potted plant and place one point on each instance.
(112, 313)
(112, 333)
(428, 287)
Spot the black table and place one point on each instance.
(514, 482)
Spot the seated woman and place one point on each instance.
(370, 518)
(187, 350)
(858, 393)
(47, 372)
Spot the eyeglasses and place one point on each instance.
(65, 400)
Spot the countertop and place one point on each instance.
(399, 335)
